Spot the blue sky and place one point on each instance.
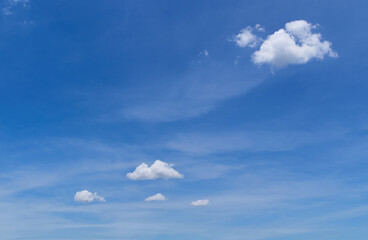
(257, 111)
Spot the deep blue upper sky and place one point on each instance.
(91, 90)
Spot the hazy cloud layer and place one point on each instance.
(191, 95)
(253, 141)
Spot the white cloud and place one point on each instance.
(158, 169)
(87, 197)
(6, 11)
(296, 44)
(200, 203)
(203, 53)
(14, 2)
(246, 38)
(156, 197)
(260, 28)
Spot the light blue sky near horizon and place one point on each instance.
(89, 91)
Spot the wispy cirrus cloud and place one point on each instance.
(189, 96)
(252, 141)
(253, 193)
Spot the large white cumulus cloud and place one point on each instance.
(294, 44)
(158, 169)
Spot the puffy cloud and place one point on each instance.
(246, 38)
(260, 28)
(296, 44)
(156, 197)
(158, 169)
(200, 203)
(87, 197)
(203, 53)
(6, 11)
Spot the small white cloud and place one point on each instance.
(200, 203)
(156, 197)
(246, 38)
(158, 169)
(87, 197)
(12, 4)
(15, 2)
(259, 28)
(27, 22)
(203, 53)
(296, 44)
(6, 11)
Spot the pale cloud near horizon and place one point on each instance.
(250, 200)
(200, 203)
(156, 197)
(294, 44)
(158, 169)
(85, 196)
